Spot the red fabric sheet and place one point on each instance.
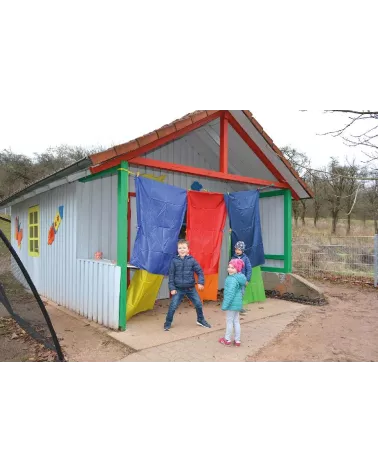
(205, 223)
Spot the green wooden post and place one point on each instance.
(288, 225)
(122, 243)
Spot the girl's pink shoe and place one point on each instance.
(225, 342)
(237, 343)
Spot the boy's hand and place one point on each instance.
(173, 292)
(200, 287)
(246, 283)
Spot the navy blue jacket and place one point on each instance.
(181, 273)
(247, 269)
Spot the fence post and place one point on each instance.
(376, 261)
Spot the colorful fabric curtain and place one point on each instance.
(142, 292)
(160, 214)
(205, 223)
(244, 213)
(255, 291)
(210, 291)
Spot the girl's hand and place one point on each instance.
(200, 287)
(173, 292)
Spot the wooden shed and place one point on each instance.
(79, 224)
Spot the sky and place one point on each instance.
(286, 127)
(80, 73)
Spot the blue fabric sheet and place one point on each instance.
(160, 214)
(244, 213)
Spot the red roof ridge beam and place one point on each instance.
(278, 151)
(259, 153)
(125, 152)
(223, 148)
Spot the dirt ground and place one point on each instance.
(17, 346)
(84, 341)
(80, 341)
(346, 330)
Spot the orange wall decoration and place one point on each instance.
(18, 233)
(55, 226)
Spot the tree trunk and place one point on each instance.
(334, 222)
(303, 212)
(348, 226)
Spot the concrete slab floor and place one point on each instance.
(145, 330)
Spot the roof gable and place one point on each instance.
(186, 124)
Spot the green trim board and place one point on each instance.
(275, 193)
(275, 257)
(279, 270)
(288, 227)
(100, 175)
(123, 195)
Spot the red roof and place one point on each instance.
(181, 123)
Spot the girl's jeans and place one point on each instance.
(233, 323)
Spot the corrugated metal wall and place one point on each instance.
(53, 272)
(57, 273)
(97, 218)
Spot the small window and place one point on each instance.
(33, 231)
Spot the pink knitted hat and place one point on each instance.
(238, 264)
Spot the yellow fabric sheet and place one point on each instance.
(142, 292)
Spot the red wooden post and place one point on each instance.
(223, 164)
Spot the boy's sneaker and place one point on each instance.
(203, 323)
(225, 342)
(237, 343)
(167, 327)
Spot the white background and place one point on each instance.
(95, 73)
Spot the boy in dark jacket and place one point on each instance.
(182, 283)
(247, 270)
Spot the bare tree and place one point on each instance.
(361, 130)
(352, 186)
(317, 184)
(372, 199)
(336, 190)
(301, 164)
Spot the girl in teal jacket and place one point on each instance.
(233, 300)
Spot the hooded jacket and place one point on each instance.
(247, 269)
(233, 296)
(181, 273)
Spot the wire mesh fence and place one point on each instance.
(20, 300)
(352, 259)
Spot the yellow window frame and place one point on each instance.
(33, 231)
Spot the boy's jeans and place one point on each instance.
(232, 324)
(193, 296)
